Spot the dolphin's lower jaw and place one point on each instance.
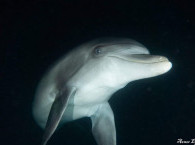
(161, 67)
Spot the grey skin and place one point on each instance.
(81, 83)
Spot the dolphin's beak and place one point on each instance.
(155, 60)
(143, 58)
(146, 58)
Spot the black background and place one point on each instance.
(155, 111)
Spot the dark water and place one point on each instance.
(154, 111)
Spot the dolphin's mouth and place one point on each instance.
(142, 58)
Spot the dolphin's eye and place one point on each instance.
(97, 51)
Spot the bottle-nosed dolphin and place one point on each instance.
(81, 83)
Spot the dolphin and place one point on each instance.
(81, 83)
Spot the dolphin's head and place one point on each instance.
(126, 60)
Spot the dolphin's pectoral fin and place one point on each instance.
(56, 112)
(103, 126)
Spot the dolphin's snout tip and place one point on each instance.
(170, 65)
(167, 66)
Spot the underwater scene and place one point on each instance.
(97, 72)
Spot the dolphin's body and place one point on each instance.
(82, 82)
